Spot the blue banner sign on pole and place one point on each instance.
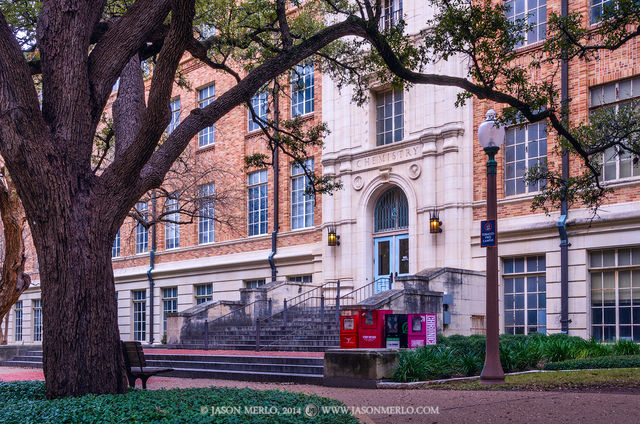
(488, 233)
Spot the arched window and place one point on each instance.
(391, 211)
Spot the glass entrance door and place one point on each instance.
(391, 256)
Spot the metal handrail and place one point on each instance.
(297, 302)
(369, 289)
(224, 317)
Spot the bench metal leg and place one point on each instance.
(144, 382)
(132, 381)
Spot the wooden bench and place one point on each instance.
(136, 364)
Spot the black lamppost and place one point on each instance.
(491, 137)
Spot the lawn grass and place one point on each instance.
(600, 380)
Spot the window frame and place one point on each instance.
(303, 95)
(139, 309)
(142, 232)
(396, 118)
(540, 294)
(633, 268)
(169, 304)
(175, 115)
(255, 283)
(526, 14)
(207, 136)
(260, 104)
(18, 316)
(172, 229)
(299, 198)
(252, 188)
(36, 309)
(206, 203)
(206, 296)
(527, 159)
(116, 248)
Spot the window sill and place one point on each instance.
(513, 198)
(528, 47)
(205, 148)
(306, 117)
(622, 182)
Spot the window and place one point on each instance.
(617, 163)
(525, 148)
(17, 328)
(615, 294)
(391, 14)
(525, 296)
(391, 212)
(597, 8)
(254, 284)
(533, 13)
(206, 229)
(139, 315)
(37, 320)
(142, 232)
(302, 90)
(301, 202)
(204, 293)
(169, 304)
(260, 105)
(207, 136)
(175, 116)
(257, 208)
(172, 228)
(389, 117)
(116, 85)
(115, 249)
(301, 279)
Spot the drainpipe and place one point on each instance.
(564, 210)
(276, 188)
(152, 255)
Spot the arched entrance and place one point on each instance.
(390, 237)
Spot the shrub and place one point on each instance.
(23, 402)
(626, 347)
(629, 361)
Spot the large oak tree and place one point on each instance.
(60, 59)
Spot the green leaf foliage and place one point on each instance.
(25, 402)
(628, 361)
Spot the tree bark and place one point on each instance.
(80, 339)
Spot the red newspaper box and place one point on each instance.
(349, 332)
(417, 335)
(371, 331)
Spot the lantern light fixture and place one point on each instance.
(332, 238)
(435, 225)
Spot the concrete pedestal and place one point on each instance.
(361, 368)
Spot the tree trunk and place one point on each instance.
(81, 341)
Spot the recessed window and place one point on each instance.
(525, 148)
(142, 232)
(617, 163)
(204, 293)
(169, 304)
(392, 211)
(207, 136)
(615, 294)
(175, 116)
(172, 226)
(301, 202)
(533, 13)
(254, 284)
(37, 320)
(389, 117)
(115, 248)
(597, 8)
(525, 295)
(260, 106)
(302, 90)
(206, 212)
(391, 14)
(139, 315)
(257, 203)
(302, 279)
(17, 321)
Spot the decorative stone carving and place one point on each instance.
(384, 174)
(357, 183)
(414, 171)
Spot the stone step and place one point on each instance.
(293, 360)
(239, 366)
(21, 364)
(246, 375)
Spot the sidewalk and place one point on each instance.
(452, 406)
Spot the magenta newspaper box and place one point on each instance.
(422, 330)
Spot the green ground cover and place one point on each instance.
(601, 380)
(25, 402)
(459, 356)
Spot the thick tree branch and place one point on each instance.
(129, 107)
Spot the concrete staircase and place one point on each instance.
(303, 331)
(303, 370)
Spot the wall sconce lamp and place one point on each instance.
(333, 239)
(435, 225)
